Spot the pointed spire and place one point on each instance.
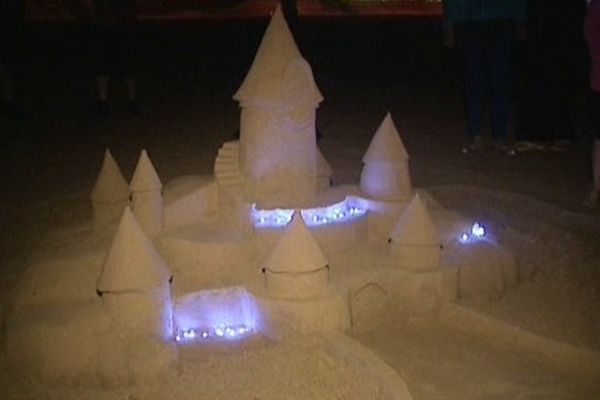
(415, 226)
(297, 250)
(110, 186)
(145, 177)
(132, 263)
(277, 49)
(386, 145)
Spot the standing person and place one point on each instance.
(12, 26)
(116, 46)
(592, 36)
(554, 70)
(485, 31)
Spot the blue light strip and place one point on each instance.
(220, 332)
(336, 213)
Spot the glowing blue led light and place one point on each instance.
(189, 334)
(219, 333)
(478, 230)
(477, 233)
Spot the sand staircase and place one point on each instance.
(227, 168)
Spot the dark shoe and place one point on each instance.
(134, 109)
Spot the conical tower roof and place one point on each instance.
(323, 167)
(277, 49)
(145, 176)
(415, 226)
(386, 146)
(110, 185)
(297, 250)
(132, 263)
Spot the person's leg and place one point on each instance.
(501, 63)
(103, 60)
(592, 199)
(127, 60)
(472, 45)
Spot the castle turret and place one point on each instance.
(385, 175)
(414, 241)
(279, 98)
(135, 283)
(146, 196)
(110, 195)
(296, 269)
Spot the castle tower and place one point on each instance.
(135, 283)
(110, 195)
(385, 174)
(296, 269)
(414, 241)
(279, 98)
(146, 196)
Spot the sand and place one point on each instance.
(531, 202)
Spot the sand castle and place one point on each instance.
(265, 246)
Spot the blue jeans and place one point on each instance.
(487, 48)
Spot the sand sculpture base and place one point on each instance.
(217, 278)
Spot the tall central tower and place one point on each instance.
(279, 98)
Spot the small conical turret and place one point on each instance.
(134, 282)
(110, 195)
(386, 145)
(385, 175)
(297, 267)
(414, 241)
(145, 177)
(297, 250)
(146, 196)
(132, 263)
